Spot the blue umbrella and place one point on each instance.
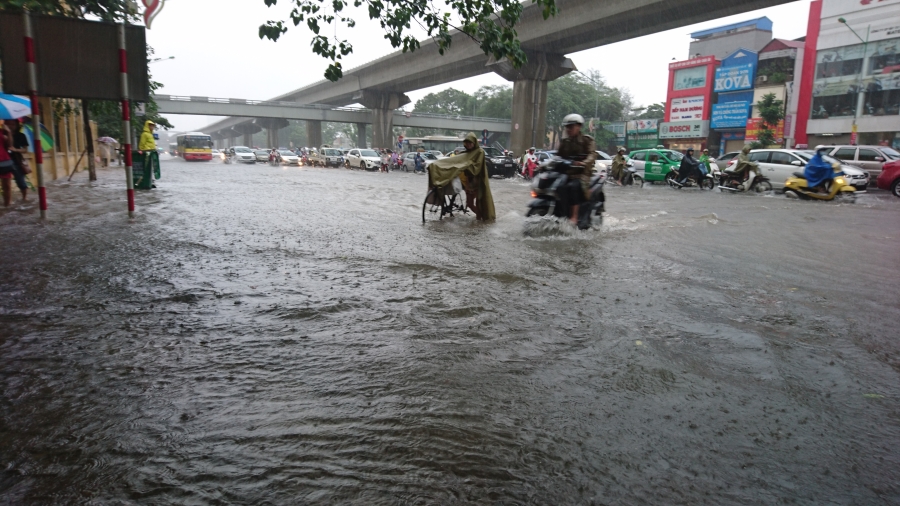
(14, 106)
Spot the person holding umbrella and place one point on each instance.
(12, 107)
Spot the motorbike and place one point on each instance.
(546, 200)
(733, 182)
(797, 187)
(697, 179)
(632, 176)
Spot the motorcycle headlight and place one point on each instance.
(840, 180)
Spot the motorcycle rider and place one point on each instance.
(744, 165)
(705, 165)
(818, 172)
(581, 149)
(618, 166)
(688, 165)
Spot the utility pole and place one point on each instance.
(860, 96)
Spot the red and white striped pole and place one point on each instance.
(126, 119)
(31, 65)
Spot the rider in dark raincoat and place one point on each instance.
(818, 171)
(689, 165)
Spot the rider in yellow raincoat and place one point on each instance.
(470, 167)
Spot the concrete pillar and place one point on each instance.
(529, 107)
(314, 133)
(361, 135)
(272, 135)
(382, 105)
(248, 139)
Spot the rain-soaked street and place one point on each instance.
(263, 335)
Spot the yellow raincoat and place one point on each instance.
(147, 142)
(469, 166)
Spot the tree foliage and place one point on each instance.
(653, 111)
(585, 94)
(771, 111)
(490, 23)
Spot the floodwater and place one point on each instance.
(262, 335)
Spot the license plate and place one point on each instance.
(508, 165)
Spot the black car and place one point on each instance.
(499, 164)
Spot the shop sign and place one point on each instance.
(730, 115)
(738, 77)
(684, 130)
(642, 141)
(687, 108)
(643, 125)
(754, 125)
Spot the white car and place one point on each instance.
(364, 159)
(243, 154)
(288, 157)
(217, 155)
(437, 154)
(780, 164)
(604, 160)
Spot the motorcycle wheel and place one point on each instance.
(670, 178)
(708, 183)
(639, 181)
(763, 188)
(533, 211)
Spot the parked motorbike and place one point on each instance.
(798, 187)
(735, 183)
(551, 182)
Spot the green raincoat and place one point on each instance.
(743, 161)
(618, 166)
(704, 163)
(470, 166)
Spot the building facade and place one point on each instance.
(851, 72)
(724, 40)
(688, 104)
(734, 99)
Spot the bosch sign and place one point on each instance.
(684, 129)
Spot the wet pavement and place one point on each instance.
(262, 335)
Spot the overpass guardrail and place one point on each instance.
(279, 103)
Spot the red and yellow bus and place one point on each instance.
(194, 146)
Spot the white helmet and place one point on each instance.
(573, 119)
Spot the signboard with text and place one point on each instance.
(754, 125)
(687, 108)
(738, 77)
(730, 115)
(684, 130)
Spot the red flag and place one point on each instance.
(152, 9)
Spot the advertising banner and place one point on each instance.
(754, 125)
(684, 130)
(687, 108)
(738, 77)
(643, 125)
(730, 115)
(692, 77)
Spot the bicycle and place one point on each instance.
(444, 201)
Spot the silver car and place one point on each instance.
(262, 155)
(870, 158)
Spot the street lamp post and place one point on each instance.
(860, 96)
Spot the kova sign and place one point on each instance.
(735, 78)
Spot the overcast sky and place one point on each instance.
(218, 53)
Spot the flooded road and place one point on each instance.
(263, 335)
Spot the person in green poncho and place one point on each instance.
(470, 167)
(705, 162)
(618, 166)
